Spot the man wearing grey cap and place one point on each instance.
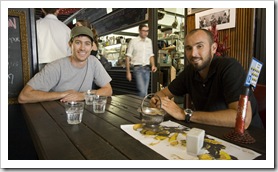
(68, 78)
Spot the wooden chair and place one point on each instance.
(260, 94)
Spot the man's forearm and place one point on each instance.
(39, 96)
(226, 118)
(105, 91)
(127, 64)
(152, 63)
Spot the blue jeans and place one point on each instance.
(142, 77)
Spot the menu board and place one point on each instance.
(21, 54)
(15, 77)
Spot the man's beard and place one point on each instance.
(205, 64)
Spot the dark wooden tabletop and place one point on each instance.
(99, 136)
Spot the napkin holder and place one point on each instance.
(194, 141)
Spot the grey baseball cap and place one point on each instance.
(81, 30)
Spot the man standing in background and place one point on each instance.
(52, 37)
(140, 52)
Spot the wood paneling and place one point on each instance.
(240, 38)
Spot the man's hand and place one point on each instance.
(155, 102)
(154, 69)
(72, 95)
(172, 108)
(128, 76)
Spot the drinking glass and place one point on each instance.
(89, 97)
(99, 104)
(74, 112)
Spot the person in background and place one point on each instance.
(224, 18)
(205, 22)
(213, 20)
(52, 37)
(95, 43)
(140, 55)
(213, 83)
(69, 78)
(201, 23)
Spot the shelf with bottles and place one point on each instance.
(172, 42)
(113, 46)
(168, 38)
(172, 36)
(170, 58)
(114, 49)
(174, 51)
(114, 53)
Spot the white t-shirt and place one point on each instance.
(140, 51)
(52, 37)
(61, 75)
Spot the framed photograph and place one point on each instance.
(224, 18)
(195, 10)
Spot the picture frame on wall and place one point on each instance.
(195, 10)
(223, 17)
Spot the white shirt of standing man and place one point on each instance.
(53, 37)
(140, 52)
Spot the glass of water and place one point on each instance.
(74, 112)
(99, 104)
(89, 97)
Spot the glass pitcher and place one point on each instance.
(151, 116)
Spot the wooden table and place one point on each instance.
(99, 136)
